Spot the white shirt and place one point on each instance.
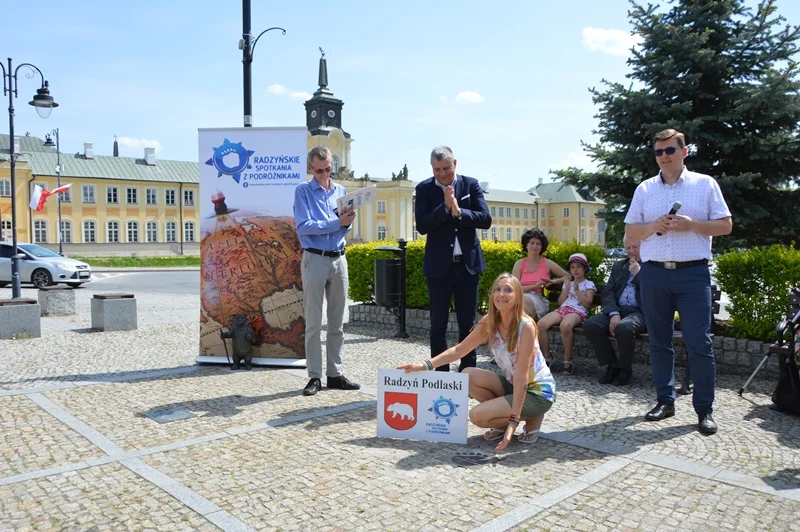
(456, 246)
(701, 199)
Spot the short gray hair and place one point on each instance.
(319, 152)
(442, 153)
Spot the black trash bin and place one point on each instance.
(387, 282)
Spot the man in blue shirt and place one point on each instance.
(321, 229)
(621, 318)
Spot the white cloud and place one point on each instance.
(280, 90)
(131, 144)
(443, 99)
(578, 160)
(469, 97)
(614, 42)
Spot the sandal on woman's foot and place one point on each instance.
(532, 435)
(493, 435)
(569, 368)
(548, 360)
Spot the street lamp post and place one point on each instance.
(49, 144)
(248, 46)
(44, 105)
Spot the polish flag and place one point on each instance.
(40, 195)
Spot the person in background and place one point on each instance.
(621, 318)
(535, 272)
(574, 302)
(526, 390)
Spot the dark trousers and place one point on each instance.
(596, 331)
(688, 291)
(458, 283)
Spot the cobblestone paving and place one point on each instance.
(30, 440)
(644, 497)
(220, 398)
(333, 473)
(107, 497)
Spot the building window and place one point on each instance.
(188, 231)
(525, 214)
(112, 195)
(87, 194)
(132, 195)
(583, 212)
(381, 232)
(89, 232)
(66, 196)
(169, 197)
(508, 212)
(583, 235)
(492, 210)
(151, 195)
(494, 233)
(171, 233)
(484, 234)
(133, 231)
(414, 232)
(566, 212)
(336, 164)
(516, 212)
(152, 231)
(508, 233)
(5, 230)
(591, 235)
(5, 187)
(112, 228)
(544, 212)
(381, 207)
(500, 212)
(66, 231)
(40, 232)
(188, 198)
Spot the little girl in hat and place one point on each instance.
(574, 302)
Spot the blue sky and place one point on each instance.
(505, 84)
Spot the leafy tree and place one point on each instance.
(725, 75)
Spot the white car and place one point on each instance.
(41, 267)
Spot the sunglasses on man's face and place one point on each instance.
(669, 151)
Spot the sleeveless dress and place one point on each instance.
(527, 278)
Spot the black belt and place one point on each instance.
(677, 265)
(456, 258)
(325, 253)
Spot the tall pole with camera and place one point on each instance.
(49, 144)
(44, 105)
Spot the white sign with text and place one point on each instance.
(423, 405)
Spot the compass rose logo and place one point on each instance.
(242, 159)
(444, 408)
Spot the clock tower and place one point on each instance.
(324, 120)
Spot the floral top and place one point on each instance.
(572, 299)
(540, 380)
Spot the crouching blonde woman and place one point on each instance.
(526, 390)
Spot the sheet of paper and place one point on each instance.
(358, 198)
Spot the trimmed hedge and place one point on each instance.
(757, 281)
(500, 257)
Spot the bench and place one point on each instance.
(677, 336)
(20, 318)
(57, 300)
(780, 348)
(114, 312)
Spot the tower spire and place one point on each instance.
(323, 70)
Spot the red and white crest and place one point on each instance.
(400, 410)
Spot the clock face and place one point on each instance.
(331, 114)
(313, 114)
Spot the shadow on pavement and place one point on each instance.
(227, 406)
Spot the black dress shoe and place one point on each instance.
(341, 383)
(624, 377)
(611, 374)
(706, 423)
(661, 411)
(313, 386)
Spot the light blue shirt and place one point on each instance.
(315, 216)
(628, 297)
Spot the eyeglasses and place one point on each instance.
(320, 171)
(669, 151)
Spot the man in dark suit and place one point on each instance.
(621, 318)
(449, 208)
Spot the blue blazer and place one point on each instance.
(441, 227)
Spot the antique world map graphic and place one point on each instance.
(251, 265)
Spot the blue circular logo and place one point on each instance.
(228, 148)
(444, 409)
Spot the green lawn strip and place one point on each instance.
(140, 262)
